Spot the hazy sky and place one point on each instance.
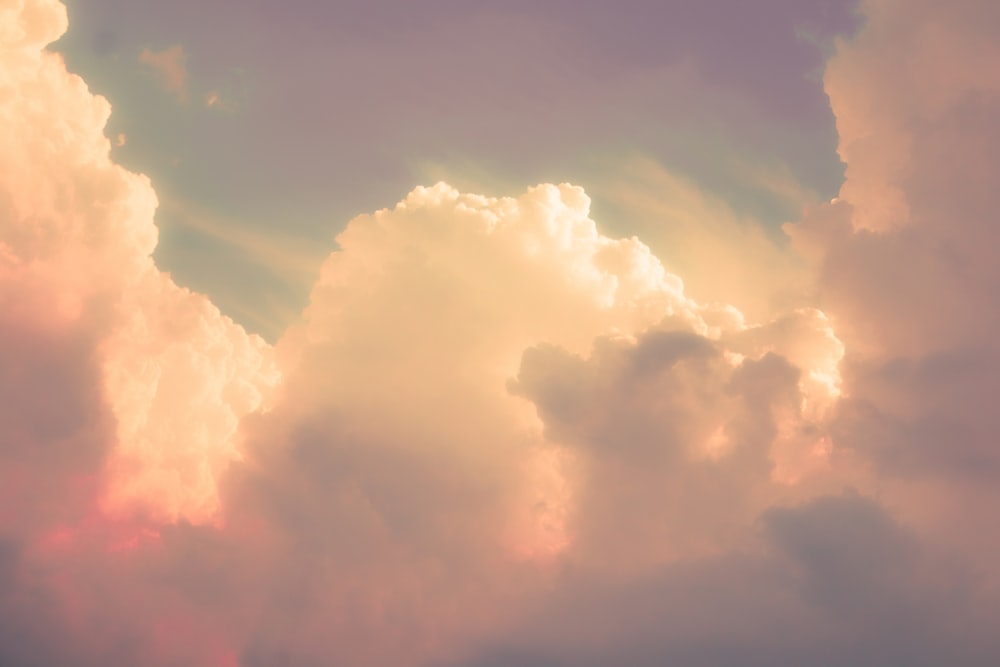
(321, 111)
(522, 334)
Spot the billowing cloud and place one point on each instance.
(122, 391)
(906, 267)
(408, 418)
(496, 435)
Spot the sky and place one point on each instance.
(267, 127)
(523, 334)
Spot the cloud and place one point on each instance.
(170, 66)
(904, 266)
(359, 509)
(723, 256)
(403, 514)
(497, 435)
(122, 390)
(833, 581)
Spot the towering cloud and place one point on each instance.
(497, 436)
(406, 456)
(121, 391)
(906, 265)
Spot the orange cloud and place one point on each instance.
(93, 330)
(496, 431)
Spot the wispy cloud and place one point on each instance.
(170, 67)
(292, 258)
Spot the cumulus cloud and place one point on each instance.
(904, 255)
(121, 389)
(403, 426)
(497, 436)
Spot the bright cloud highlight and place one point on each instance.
(497, 436)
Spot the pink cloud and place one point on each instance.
(496, 435)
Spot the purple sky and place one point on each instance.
(339, 107)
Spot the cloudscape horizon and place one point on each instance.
(652, 420)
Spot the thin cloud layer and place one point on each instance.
(497, 436)
(170, 67)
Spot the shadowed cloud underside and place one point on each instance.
(498, 435)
